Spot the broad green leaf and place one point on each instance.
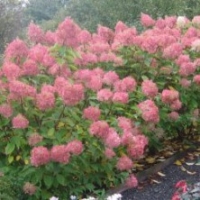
(144, 78)
(89, 186)
(48, 180)
(26, 161)
(17, 141)
(51, 132)
(61, 179)
(9, 148)
(70, 122)
(10, 159)
(75, 116)
(18, 158)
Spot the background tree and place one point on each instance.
(89, 13)
(192, 8)
(43, 10)
(11, 21)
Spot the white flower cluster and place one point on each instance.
(54, 198)
(112, 197)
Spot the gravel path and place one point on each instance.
(165, 189)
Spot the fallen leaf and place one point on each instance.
(161, 174)
(197, 154)
(191, 156)
(189, 163)
(150, 160)
(161, 159)
(155, 181)
(197, 163)
(183, 169)
(178, 162)
(191, 173)
(138, 165)
(168, 153)
(186, 146)
(182, 160)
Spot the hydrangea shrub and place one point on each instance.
(77, 109)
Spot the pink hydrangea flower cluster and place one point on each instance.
(131, 181)
(11, 71)
(35, 33)
(124, 163)
(127, 84)
(109, 153)
(150, 112)
(187, 68)
(125, 123)
(149, 88)
(109, 136)
(112, 139)
(171, 97)
(37, 53)
(59, 153)
(173, 51)
(67, 33)
(16, 49)
(92, 113)
(40, 156)
(120, 97)
(185, 83)
(29, 188)
(20, 122)
(21, 90)
(196, 79)
(99, 129)
(6, 110)
(71, 94)
(45, 100)
(29, 68)
(105, 95)
(75, 147)
(34, 139)
(173, 115)
(136, 146)
(110, 77)
(146, 20)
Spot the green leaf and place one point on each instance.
(75, 116)
(89, 186)
(10, 159)
(60, 178)
(9, 148)
(70, 122)
(144, 78)
(17, 141)
(38, 176)
(48, 180)
(51, 132)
